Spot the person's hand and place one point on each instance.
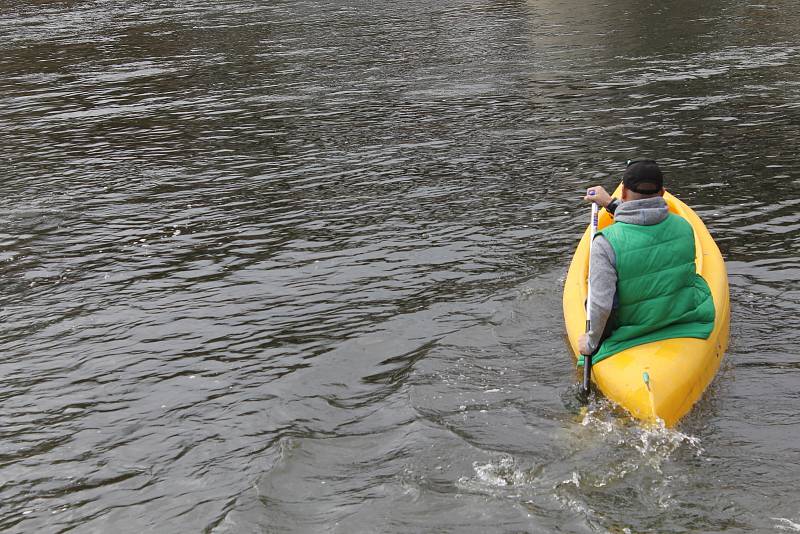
(598, 195)
(583, 344)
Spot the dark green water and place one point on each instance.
(297, 266)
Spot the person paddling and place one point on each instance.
(644, 282)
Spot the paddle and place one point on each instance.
(587, 358)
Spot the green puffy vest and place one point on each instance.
(659, 292)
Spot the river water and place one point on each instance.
(296, 266)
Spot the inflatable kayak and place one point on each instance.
(659, 380)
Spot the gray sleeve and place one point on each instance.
(603, 280)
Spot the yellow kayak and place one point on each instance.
(679, 369)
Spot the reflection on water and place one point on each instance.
(297, 267)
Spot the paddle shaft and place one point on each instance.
(587, 358)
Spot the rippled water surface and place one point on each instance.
(296, 266)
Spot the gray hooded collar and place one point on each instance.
(646, 211)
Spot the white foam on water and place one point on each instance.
(786, 524)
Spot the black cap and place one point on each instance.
(643, 172)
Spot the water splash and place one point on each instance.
(657, 443)
(654, 442)
(501, 473)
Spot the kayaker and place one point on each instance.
(643, 277)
